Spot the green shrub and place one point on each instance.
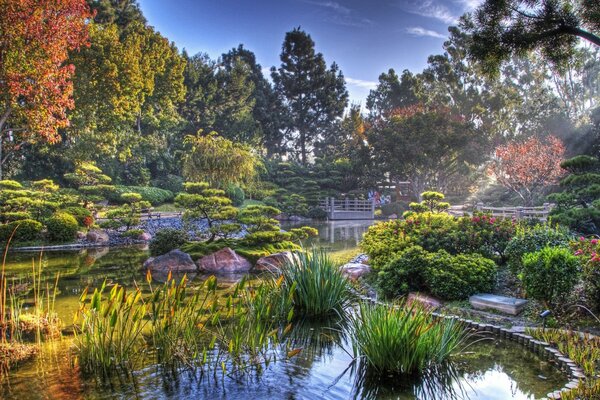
(236, 194)
(383, 240)
(532, 239)
(317, 213)
(62, 227)
(27, 230)
(132, 233)
(458, 277)
(80, 214)
(405, 272)
(172, 183)
(397, 208)
(449, 277)
(14, 216)
(154, 195)
(550, 274)
(403, 340)
(166, 240)
(10, 185)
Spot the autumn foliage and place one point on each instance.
(526, 167)
(35, 78)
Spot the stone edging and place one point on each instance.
(543, 349)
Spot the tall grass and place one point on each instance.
(403, 339)
(110, 329)
(321, 289)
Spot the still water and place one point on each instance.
(489, 369)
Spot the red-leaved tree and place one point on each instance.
(35, 78)
(527, 167)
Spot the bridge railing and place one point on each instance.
(540, 212)
(348, 208)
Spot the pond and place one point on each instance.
(489, 369)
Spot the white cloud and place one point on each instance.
(432, 9)
(419, 31)
(470, 5)
(339, 14)
(337, 7)
(361, 83)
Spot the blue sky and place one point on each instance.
(364, 37)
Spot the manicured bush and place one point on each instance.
(150, 194)
(458, 277)
(173, 183)
(550, 274)
(62, 227)
(27, 230)
(588, 251)
(14, 216)
(80, 214)
(398, 208)
(132, 233)
(166, 240)
(449, 277)
(383, 240)
(10, 185)
(532, 239)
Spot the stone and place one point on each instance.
(97, 236)
(81, 235)
(353, 271)
(430, 303)
(146, 237)
(224, 261)
(174, 261)
(509, 305)
(274, 262)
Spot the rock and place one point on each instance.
(175, 261)
(97, 236)
(393, 216)
(224, 261)
(145, 237)
(80, 235)
(360, 259)
(430, 303)
(274, 262)
(353, 271)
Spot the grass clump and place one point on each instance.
(403, 340)
(321, 290)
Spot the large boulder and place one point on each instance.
(145, 236)
(174, 261)
(427, 302)
(353, 271)
(224, 261)
(274, 262)
(97, 236)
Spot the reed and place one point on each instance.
(403, 339)
(320, 288)
(110, 329)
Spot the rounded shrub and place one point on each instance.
(458, 277)
(236, 194)
(7, 184)
(405, 272)
(317, 213)
(166, 240)
(532, 239)
(62, 227)
(550, 274)
(81, 214)
(26, 230)
(14, 216)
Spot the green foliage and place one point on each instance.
(166, 240)
(588, 251)
(432, 202)
(10, 185)
(403, 340)
(294, 204)
(90, 181)
(441, 274)
(24, 230)
(236, 194)
(317, 213)
(578, 205)
(172, 183)
(14, 216)
(200, 201)
(62, 227)
(153, 195)
(127, 215)
(529, 239)
(397, 208)
(320, 288)
(383, 240)
(550, 274)
(81, 214)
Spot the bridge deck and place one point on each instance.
(348, 209)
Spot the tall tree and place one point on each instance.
(36, 79)
(394, 92)
(315, 96)
(502, 29)
(118, 12)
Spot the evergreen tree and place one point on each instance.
(315, 96)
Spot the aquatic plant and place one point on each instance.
(109, 330)
(403, 339)
(321, 289)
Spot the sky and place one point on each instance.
(364, 37)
